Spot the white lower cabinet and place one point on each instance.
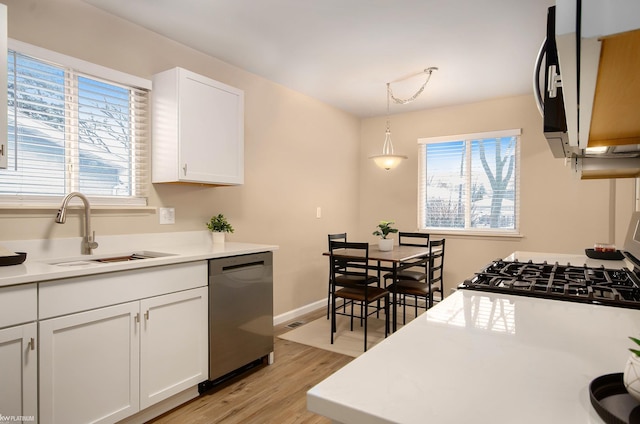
(19, 373)
(89, 366)
(104, 365)
(174, 350)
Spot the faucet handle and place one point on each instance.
(92, 244)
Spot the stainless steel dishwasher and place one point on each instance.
(240, 312)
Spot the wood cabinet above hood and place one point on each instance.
(616, 104)
(598, 45)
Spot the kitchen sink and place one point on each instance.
(98, 260)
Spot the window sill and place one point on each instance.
(476, 234)
(94, 208)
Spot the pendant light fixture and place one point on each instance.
(388, 160)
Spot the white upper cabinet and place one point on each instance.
(198, 130)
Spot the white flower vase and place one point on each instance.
(217, 237)
(631, 376)
(385, 245)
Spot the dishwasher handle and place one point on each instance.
(230, 268)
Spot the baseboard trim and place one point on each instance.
(291, 315)
(322, 303)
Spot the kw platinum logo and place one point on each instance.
(16, 418)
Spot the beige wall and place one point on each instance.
(559, 213)
(301, 154)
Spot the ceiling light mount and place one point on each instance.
(388, 160)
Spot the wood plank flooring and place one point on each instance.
(268, 393)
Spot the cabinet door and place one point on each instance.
(18, 373)
(174, 344)
(89, 366)
(211, 130)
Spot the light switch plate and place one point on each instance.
(167, 216)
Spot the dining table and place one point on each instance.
(393, 261)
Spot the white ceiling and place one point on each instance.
(343, 52)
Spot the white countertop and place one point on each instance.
(179, 247)
(484, 358)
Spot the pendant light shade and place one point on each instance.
(388, 160)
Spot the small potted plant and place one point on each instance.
(218, 225)
(383, 230)
(631, 376)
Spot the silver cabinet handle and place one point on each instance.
(146, 315)
(554, 81)
(32, 344)
(137, 317)
(184, 168)
(536, 78)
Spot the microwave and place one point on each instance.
(550, 98)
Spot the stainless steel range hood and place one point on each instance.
(598, 43)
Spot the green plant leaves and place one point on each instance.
(636, 341)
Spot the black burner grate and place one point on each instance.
(615, 287)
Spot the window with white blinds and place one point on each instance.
(470, 183)
(72, 131)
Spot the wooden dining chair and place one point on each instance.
(352, 282)
(332, 237)
(412, 289)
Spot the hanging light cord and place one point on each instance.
(427, 71)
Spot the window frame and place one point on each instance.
(99, 73)
(467, 139)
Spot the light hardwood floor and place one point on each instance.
(268, 393)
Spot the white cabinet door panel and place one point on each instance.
(210, 131)
(174, 344)
(18, 372)
(89, 366)
(198, 129)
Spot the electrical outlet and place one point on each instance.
(167, 216)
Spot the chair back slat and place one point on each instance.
(356, 265)
(413, 239)
(338, 237)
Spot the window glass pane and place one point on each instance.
(71, 132)
(493, 183)
(104, 134)
(36, 137)
(470, 184)
(446, 188)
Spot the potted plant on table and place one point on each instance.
(218, 225)
(383, 230)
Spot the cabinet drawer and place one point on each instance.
(19, 304)
(78, 294)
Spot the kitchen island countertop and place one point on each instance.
(484, 358)
(176, 247)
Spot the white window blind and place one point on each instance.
(71, 131)
(470, 183)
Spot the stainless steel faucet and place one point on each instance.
(88, 241)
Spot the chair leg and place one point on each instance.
(404, 309)
(386, 317)
(366, 315)
(329, 300)
(352, 315)
(333, 317)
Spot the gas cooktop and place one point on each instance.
(597, 285)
